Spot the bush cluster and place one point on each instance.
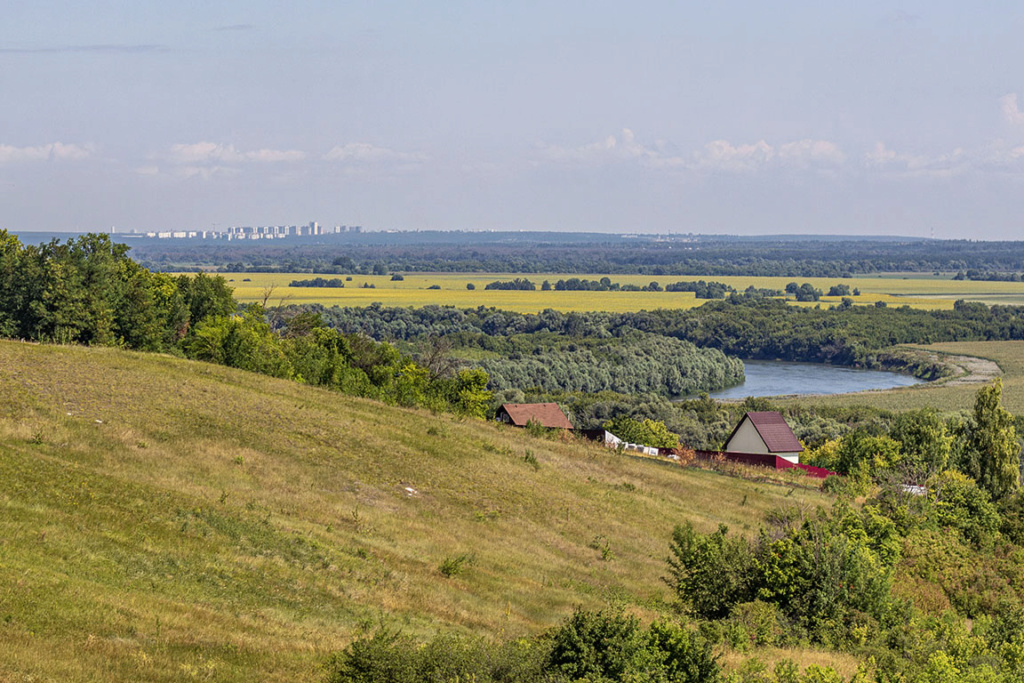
(597, 647)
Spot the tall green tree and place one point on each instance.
(993, 457)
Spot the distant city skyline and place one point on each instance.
(736, 117)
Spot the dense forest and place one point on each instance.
(693, 255)
(748, 328)
(635, 363)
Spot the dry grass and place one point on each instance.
(895, 289)
(844, 664)
(168, 520)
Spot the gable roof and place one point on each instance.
(547, 414)
(774, 431)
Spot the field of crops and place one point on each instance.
(931, 292)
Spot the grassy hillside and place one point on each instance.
(168, 520)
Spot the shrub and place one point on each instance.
(960, 504)
(710, 573)
(763, 622)
(453, 566)
(598, 646)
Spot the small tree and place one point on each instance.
(710, 573)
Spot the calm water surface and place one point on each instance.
(775, 378)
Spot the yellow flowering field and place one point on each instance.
(895, 289)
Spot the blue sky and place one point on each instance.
(728, 117)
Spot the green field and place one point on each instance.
(895, 289)
(166, 520)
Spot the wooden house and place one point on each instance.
(547, 415)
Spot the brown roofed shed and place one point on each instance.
(546, 414)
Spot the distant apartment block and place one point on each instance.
(261, 232)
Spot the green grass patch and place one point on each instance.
(164, 520)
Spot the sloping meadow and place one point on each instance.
(162, 519)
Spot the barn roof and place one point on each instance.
(547, 414)
(774, 431)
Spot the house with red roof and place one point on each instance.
(547, 415)
(765, 432)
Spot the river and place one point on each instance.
(777, 378)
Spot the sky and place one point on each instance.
(735, 117)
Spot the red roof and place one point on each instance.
(774, 431)
(547, 414)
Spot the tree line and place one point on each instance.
(695, 255)
(749, 328)
(88, 291)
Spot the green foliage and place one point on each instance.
(821, 574)
(925, 443)
(245, 342)
(589, 646)
(763, 623)
(959, 503)
(88, 291)
(839, 290)
(862, 455)
(388, 657)
(535, 428)
(1011, 513)
(517, 284)
(334, 282)
(453, 566)
(786, 671)
(471, 396)
(307, 351)
(646, 432)
(993, 456)
(633, 364)
(599, 647)
(711, 573)
(701, 289)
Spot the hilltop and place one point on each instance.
(165, 519)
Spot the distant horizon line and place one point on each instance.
(623, 234)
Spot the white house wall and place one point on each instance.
(747, 440)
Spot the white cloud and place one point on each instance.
(998, 157)
(624, 148)
(721, 155)
(275, 155)
(212, 153)
(807, 152)
(203, 172)
(944, 165)
(365, 153)
(1011, 111)
(717, 155)
(54, 151)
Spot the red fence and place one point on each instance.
(766, 460)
